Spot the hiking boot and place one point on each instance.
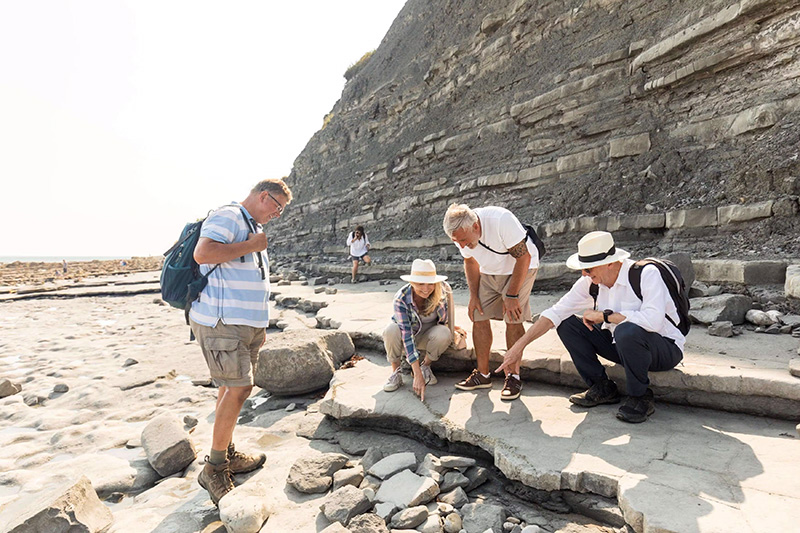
(511, 388)
(241, 463)
(427, 375)
(636, 409)
(216, 479)
(604, 391)
(394, 382)
(475, 381)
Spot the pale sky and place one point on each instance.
(122, 120)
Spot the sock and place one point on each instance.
(486, 375)
(217, 457)
(515, 376)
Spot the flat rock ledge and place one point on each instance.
(749, 483)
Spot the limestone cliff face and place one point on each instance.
(574, 114)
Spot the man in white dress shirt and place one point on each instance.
(639, 334)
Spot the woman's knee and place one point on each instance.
(439, 339)
(392, 341)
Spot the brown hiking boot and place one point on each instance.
(216, 479)
(475, 381)
(242, 462)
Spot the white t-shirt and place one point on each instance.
(358, 247)
(500, 230)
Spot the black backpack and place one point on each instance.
(673, 279)
(534, 237)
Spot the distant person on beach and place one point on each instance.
(230, 319)
(64, 265)
(639, 334)
(422, 326)
(358, 242)
(500, 263)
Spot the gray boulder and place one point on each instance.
(477, 475)
(410, 518)
(367, 523)
(709, 309)
(7, 388)
(792, 283)
(456, 497)
(67, 507)
(343, 504)
(794, 367)
(759, 318)
(392, 464)
(167, 446)
(299, 362)
(348, 476)
(407, 489)
(477, 518)
(312, 475)
(245, 508)
(721, 329)
(452, 480)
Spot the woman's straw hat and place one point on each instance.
(423, 271)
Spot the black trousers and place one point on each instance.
(636, 349)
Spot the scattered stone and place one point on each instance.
(336, 527)
(367, 523)
(290, 407)
(335, 324)
(168, 447)
(245, 508)
(32, 399)
(61, 388)
(792, 283)
(206, 382)
(330, 290)
(477, 475)
(392, 464)
(370, 482)
(189, 421)
(343, 504)
(452, 523)
(129, 362)
(114, 497)
(8, 389)
(721, 329)
(531, 529)
(714, 290)
(786, 329)
(480, 517)
(407, 489)
(310, 307)
(452, 480)
(371, 456)
(453, 461)
(385, 510)
(794, 367)
(410, 518)
(312, 475)
(281, 324)
(774, 329)
(159, 301)
(457, 498)
(317, 281)
(759, 318)
(348, 476)
(331, 281)
(731, 307)
(319, 290)
(797, 428)
(284, 282)
(68, 506)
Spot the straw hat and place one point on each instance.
(423, 271)
(595, 249)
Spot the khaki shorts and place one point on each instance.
(231, 352)
(491, 293)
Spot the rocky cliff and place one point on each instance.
(674, 123)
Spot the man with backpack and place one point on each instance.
(500, 263)
(623, 311)
(230, 318)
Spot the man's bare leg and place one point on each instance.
(514, 332)
(229, 404)
(482, 340)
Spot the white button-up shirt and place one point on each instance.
(648, 313)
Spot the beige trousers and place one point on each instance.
(434, 341)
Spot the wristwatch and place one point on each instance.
(607, 313)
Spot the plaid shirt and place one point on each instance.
(407, 318)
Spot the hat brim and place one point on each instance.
(423, 279)
(576, 264)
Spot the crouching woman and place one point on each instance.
(422, 326)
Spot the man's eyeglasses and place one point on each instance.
(279, 207)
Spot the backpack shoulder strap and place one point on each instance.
(493, 251)
(635, 279)
(594, 290)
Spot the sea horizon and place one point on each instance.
(58, 259)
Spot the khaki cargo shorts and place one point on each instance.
(492, 290)
(231, 352)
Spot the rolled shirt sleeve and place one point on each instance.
(406, 332)
(575, 301)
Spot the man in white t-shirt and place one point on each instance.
(500, 263)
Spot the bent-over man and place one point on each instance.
(230, 318)
(639, 334)
(500, 263)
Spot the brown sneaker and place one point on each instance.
(475, 381)
(242, 462)
(511, 388)
(216, 479)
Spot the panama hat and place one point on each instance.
(423, 271)
(595, 249)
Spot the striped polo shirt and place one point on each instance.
(236, 292)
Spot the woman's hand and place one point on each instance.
(419, 381)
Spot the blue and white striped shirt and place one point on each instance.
(235, 293)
